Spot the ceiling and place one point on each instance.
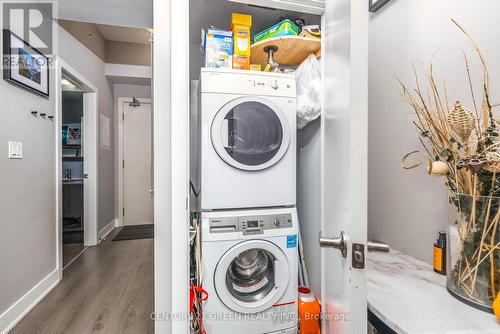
(124, 34)
(132, 13)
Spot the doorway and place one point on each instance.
(136, 157)
(73, 218)
(76, 130)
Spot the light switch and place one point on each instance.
(15, 150)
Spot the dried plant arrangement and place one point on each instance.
(463, 145)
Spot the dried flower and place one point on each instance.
(474, 163)
(462, 122)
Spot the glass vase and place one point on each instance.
(473, 255)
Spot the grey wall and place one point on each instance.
(82, 31)
(27, 188)
(91, 67)
(128, 53)
(27, 193)
(407, 208)
(309, 199)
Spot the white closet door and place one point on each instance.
(344, 164)
(137, 187)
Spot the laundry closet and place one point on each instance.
(262, 194)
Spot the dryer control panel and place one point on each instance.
(247, 83)
(250, 224)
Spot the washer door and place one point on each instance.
(250, 133)
(252, 276)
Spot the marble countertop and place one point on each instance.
(409, 297)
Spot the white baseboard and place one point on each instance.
(20, 308)
(103, 233)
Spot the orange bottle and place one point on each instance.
(496, 306)
(309, 312)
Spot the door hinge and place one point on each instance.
(123, 116)
(123, 211)
(123, 163)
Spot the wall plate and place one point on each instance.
(15, 150)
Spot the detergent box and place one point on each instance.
(240, 26)
(217, 48)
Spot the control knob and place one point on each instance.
(277, 222)
(274, 84)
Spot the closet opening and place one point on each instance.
(254, 164)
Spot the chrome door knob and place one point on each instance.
(377, 246)
(338, 243)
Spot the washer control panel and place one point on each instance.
(250, 224)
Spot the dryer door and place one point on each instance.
(252, 276)
(250, 133)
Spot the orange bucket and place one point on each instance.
(309, 312)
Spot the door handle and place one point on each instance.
(377, 246)
(338, 243)
(85, 176)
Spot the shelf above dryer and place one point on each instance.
(292, 50)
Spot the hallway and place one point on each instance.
(108, 289)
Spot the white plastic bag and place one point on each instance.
(308, 81)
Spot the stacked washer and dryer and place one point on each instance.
(246, 176)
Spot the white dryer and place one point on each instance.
(247, 140)
(249, 269)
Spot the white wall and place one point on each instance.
(408, 208)
(27, 186)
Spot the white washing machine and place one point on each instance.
(249, 269)
(247, 140)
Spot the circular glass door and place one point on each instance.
(251, 276)
(250, 133)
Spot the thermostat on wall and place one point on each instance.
(15, 150)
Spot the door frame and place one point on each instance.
(91, 206)
(119, 146)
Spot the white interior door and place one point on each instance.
(137, 176)
(344, 164)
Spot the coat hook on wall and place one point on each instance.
(34, 113)
(51, 117)
(43, 115)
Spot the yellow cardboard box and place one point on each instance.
(240, 26)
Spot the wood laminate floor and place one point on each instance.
(70, 251)
(108, 289)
